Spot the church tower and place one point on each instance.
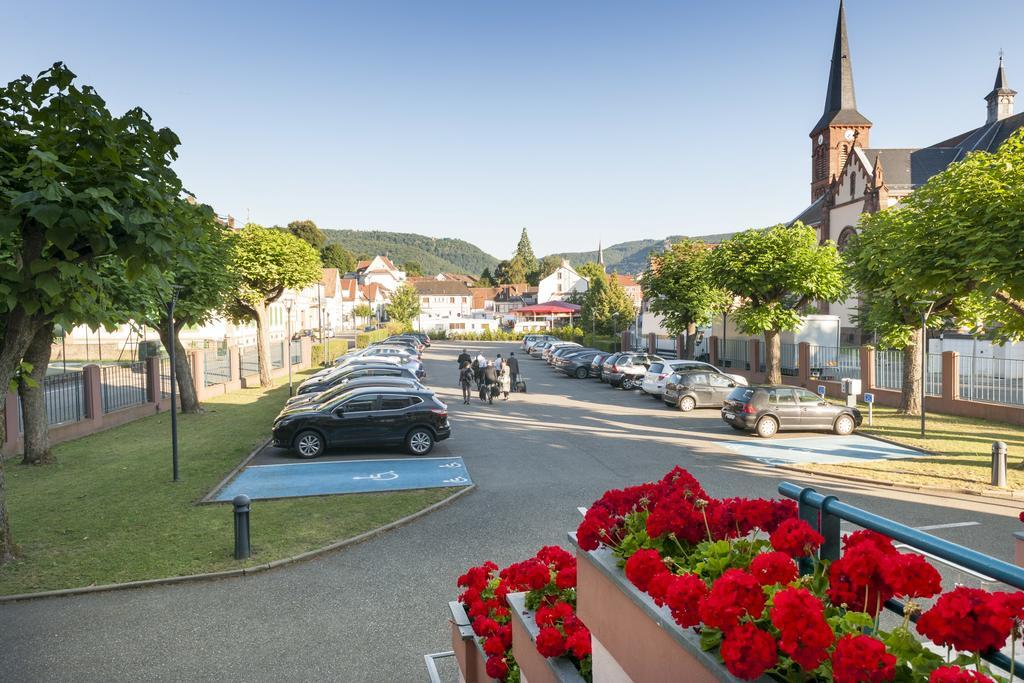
(841, 127)
(600, 256)
(1000, 100)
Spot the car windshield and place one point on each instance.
(612, 359)
(656, 367)
(741, 394)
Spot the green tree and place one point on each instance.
(776, 272)
(486, 279)
(268, 262)
(604, 307)
(412, 269)
(548, 265)
(404, 304)
(307, 231)
(364, 311)
(588, 270)
(337, 256)
(76, 184)
(524, 252)
(678, 285)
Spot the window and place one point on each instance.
(384, 372)
(655, 367)
(719, 380)
(692, 378)
(844, 238)
(452, 300)
(426, 299)
(397, 402)
(782, 397)
(361, 404)
(853, 185)
(807, 398)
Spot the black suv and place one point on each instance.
(373, 416)
(767, 410)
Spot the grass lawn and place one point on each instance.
(963, 445)
(108, 512)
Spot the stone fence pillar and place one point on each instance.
(652, 343)
(804, 355)
(754, 355)
(92, 388)
(950, 376)
(153, 379)
(713, 350)
(867, 369)
(307, 352)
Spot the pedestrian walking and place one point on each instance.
(498, 363)
(490, 383)
(466, 380)
(505, 378)
(513, 367)
(464, 357)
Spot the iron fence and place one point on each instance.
(248, 361)
(732, 353)
(825, 513)
(63, 400)
(123, 386)
(165, 377)
(834, 362)
(277, 355)
(992, 380)
(789, 358)
(889, 371)
(216, 367)
(296, 349)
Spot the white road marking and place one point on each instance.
(381, 476)
(582, 511)
(952, 525)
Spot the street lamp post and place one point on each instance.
(174, 380)
(288, 303)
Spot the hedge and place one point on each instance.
(335, 347)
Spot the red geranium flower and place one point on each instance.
(485, 626)
(497, 668)
(772, 568)
(862, 659)
(494, 647)
(566, 577)
(856, 579)
(748, 652)
(796, 538)
(579, 643)
(911, 575)
(967, 619)
(551, 615)
(954, 674)
(683, 595)
(804, 634)
(555, 557)
(642, 566)
(550, 642)
(874, 539)
(735, 594)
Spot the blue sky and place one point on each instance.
(578, 120)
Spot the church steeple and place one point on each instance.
(600, 255)
(841, 127)
(1000, 100)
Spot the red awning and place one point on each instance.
(549, 308)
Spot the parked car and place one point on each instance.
(422, 336)
(606, 366)
(597, 363)
(320, 383)
(404, 338)
(768, 409)
(531, 339)
(629, 369)
(546, 355)
(537, 350)
(689, 389)
(579, 365)
(349, 383)
(369, 416)
(404, 352)
(561, 353)
(659, 372)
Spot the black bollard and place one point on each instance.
(241, 503)
(999, 464)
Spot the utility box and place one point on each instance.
(851, 389)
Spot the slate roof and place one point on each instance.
(840, 99)
(813, 214)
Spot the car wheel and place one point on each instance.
(686, 404)
(420, 441)
(581, 373)
(308, 444)
(767, 427)
(844, 425)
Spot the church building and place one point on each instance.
(849, 177)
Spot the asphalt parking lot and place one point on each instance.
(370, 612)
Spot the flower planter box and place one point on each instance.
(465, 644)
(533, 666)
(634, 640)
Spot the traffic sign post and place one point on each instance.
(821, 391)
(870, 400)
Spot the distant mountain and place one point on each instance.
(631, 257)
(435, 255)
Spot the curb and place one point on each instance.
(256, 569)
(1002, 497)
(893, 442)
(208, 498)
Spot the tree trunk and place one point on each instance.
(262, 344)
(910, 398)
(691, 341)
(772, 357)
(187, 396)
(33, 400)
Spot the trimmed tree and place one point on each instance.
(776, 273)
(268, 262)
(364, 311)
(61, 209)
(404, 305)
(679, 288)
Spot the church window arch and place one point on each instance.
(844, 237)
(853, 185)
(843, 153)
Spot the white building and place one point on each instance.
(442, 302)
(559, 284)
(380, 271)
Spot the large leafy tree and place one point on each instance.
(605, 307)
(364, 311)
(307, 231)
(336, 256)
(776, 273)
(412, 268)
(76, 184)
(548, 265)
(680, 289)
(404, 304)
(486, 278)
(268, 262)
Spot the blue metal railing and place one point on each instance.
(824, 513)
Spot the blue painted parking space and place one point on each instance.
(345, 476)
(819, 449)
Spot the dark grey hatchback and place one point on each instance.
(371, 416)
(766, 410)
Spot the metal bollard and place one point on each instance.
(999, 464)
(241, 503)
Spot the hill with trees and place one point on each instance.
(432, 254)
(631, 257)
